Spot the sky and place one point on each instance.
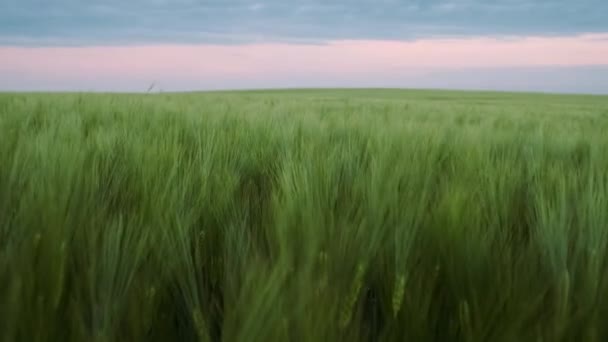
(179, 45)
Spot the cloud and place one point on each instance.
(113, 22)
(571, 64)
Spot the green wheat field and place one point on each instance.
(308, 215)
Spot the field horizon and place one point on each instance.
(308, 90)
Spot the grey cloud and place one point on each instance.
(74, 22)
(582, 80)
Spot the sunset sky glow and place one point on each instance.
(553, 46)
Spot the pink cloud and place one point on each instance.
(271, 61)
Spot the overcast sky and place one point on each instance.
(190, 44)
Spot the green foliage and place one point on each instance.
(303, 216)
